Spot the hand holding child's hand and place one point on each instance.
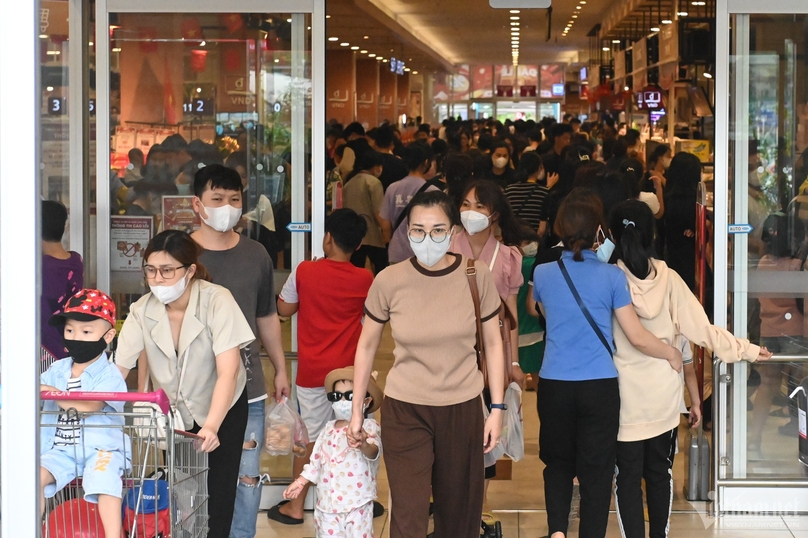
(293, 490)
(355, 432)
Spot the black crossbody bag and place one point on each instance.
(583, 308)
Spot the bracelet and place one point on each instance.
(514, 363)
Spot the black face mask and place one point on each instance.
(81, 351)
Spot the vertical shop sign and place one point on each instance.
(339, 86)
(367, 91)
(387, 94)
(403, 94)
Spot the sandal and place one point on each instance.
(275, 514)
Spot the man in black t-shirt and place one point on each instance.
(393, 168)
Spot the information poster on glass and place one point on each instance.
(178, 214)
(129, 237)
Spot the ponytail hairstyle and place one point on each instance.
(632, 227)
(492, 197)
(577, 222)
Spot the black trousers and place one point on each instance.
(377, 255)
(223, 465)
(652, 460)
(578, 437)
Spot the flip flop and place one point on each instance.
(275, 514)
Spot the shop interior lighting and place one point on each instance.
(288, 20)
(354, 48)
(328, 16)
(415, 72)
(515, 18)
(575, 16)
(707, 74)
(698, 3)
(344, 44)
(371, 55)
(682, 13)
(116, 49)
(655, 28)
(54, 52)
(625, 88)
(366, 37)
(578, 7)
(667, 21)
(333, 39)
(363, 52)
(199, 90)
(49, 88)
(513, 23)
(201, 43)
(616, 41)
(606, 49)
(90, 43)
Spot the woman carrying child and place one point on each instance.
(649, 412)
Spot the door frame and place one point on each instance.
(102, 42)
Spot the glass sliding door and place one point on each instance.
(757, 425)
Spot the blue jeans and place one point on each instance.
(248, 496)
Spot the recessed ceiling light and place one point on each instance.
(415, 72)
(288, 20)
(682, 13)
(616, 41)
(367, 37)
(90, 43)
(43, 36)
(333, 39)
(575, 16)
(371, 55)
(578, 7)
(49, 88)
(655, 28)
(707, 75)
(385, 61)
(667, 21)
(514, 11)
(625, 88)
(344, 44)
(606, 49)
(515, 18)
(354, 48)
(512, 24)
(699, 3)
(328, 16)
(407, 69)
(363, 52)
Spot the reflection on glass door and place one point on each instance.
(189, 90)
(768, 171)
(482, 111)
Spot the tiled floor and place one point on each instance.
(519, 503)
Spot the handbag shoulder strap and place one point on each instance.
(518, 208)
(403, 214)
(471, 273)
(583, 308)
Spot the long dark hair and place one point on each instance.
(632, 226)
(488, 193)
(179, 246)
(683, 177)
(577, 222)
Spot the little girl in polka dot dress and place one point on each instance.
(345, 477)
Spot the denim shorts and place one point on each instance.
(101, 471)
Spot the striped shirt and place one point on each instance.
(68, 430)
(527, 201)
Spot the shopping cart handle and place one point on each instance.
(158, 397)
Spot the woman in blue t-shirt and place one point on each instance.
(578, 396)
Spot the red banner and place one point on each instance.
(199, 60)
(482, 81)
(191, 30)
(232, 21)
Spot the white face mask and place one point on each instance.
(530, 250)
(500, 162)
(169, 294)
(429, 252)
(222, 219)
(474, 221)
(343, 409)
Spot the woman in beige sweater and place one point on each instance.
(651, 392)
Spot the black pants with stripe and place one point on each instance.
(652, 460)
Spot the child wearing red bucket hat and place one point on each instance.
(88, 443)
(345, 476)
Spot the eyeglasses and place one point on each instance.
(149, 271)
(337, 396)
(438, 235)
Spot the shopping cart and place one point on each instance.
(165, 492)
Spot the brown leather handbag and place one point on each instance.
(506, 323)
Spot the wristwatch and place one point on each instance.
(501, 406)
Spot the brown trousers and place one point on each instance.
(437, 451)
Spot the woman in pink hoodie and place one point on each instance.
(651, 393)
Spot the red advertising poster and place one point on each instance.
(461, 84)
(178, 214)
(339, 86)
(387, 95)
(441, 87)
(504, 75)
(482, 85)
(367, 91)
(527, 75)
(552, 81)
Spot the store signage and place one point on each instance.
(650, 98)
(504, 91)
(739, 228)
(558, 90)
(527, 91)
(198, 106)
(396, 66)
(520, 4)
(58, 106)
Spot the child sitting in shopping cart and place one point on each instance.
(345, 477)
(85, 438)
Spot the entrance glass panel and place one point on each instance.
(482, 111)
(516, 110)
(768, 165)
